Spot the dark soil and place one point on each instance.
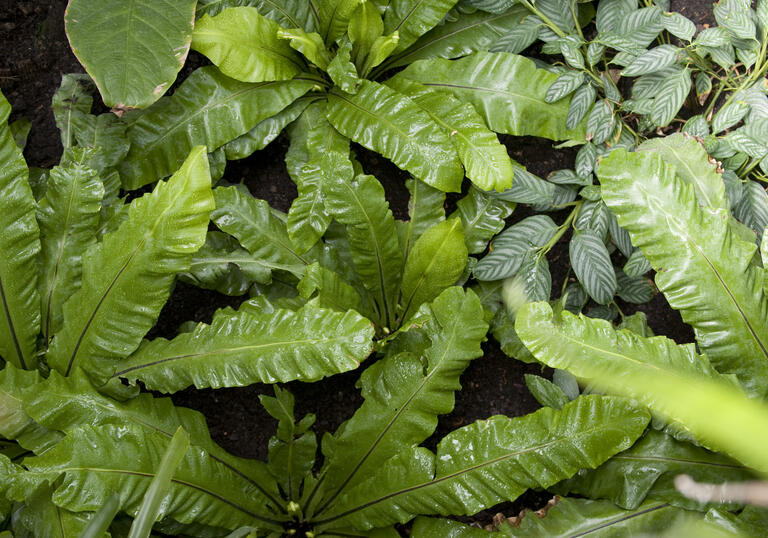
(36, 54)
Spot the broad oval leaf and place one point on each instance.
(389, 123)
(20, 245)
(128, 276)
(508, 91)
(249, 346)
(245, 46)
(132, 50)
(496, 459)
(208, 108)
(707, 276)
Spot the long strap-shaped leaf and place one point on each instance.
(389, 123)
(69, 216)
(650, 467)
(97, 461)
(19, 247)
(712, 407)
(40, 516)
(701, 266)
(402, 398)
(66, 403)
(248, 346)
(569, 517)
(253, 223)
(491, 461)
(413, 18)
(15, 421)
(127, 277)
(208, 109)
(508, 91)
(361, 206)
(288, 14)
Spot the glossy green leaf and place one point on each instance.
(66, 403)
(568, 517)
(265, 131)
(413, 18)
(68, 216)
(380, 51)
(40, 516)
(20, 245)
(435, 262)
(245, 46)
(71, 99)
(360, 205)
(309, 44)
(671, 97)
(248, 346)
(342, 71)
(404, 395)
(649, 468)
(329, 289)
(222, 265)
(333, 17)
(208, 108)
(133, 51)
(507, 90)
(255, 226)
(535, 277)
(152, 507)
(592, 264)
(692, 164)
(591, 348)
(128, 276)
(485, 159)
(425, 209)
(389, 123)
(496, 459)
(365, 27)
(15, 422)
(482, 217)
(287, 13)
(97, 461)
(707, 276)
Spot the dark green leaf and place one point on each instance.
(592, 264)
(601, 122)
(581, 102)
(678, 25)
(565, 84)
(482, 216)
(413, 18)
(654, 60)
(546, 393)
(671, 97)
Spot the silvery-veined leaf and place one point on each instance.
(611, 12)
(565, 84)
(696, 126)
(594, 53)
(619, 236)
(641, 26)
(518, 38)
(470, 32)
(570, 48)
(636, 290)
(581, 102)
(601, 122)
(712, 37)
(593, 216)
(736, 17)
(655, 59)
(528, 188)
(482, 216)
(702, 83)
(586, 160)
(728, 116)
(535, 276)
(752, 209)
(678, 25)
(590, 192)
(508, 249)
(619, 43)
(671, 97)
(492, 6)
(592, 264)
(559, 12)
(567, 177)
(740, 141)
